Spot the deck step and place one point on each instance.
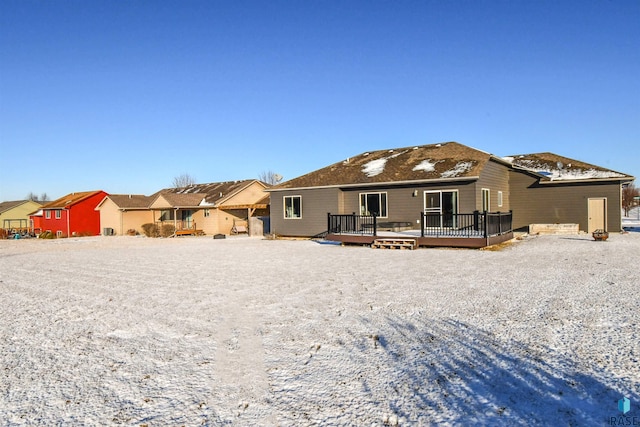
(390, 243)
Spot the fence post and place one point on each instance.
(354, 226)
(510, 219)
(486, 225)
(422, 224)
(375, 226)
(476, 220)
(499, 223)
(329, 222)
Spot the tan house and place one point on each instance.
(14, 216)
(214, 208)
(122, 213)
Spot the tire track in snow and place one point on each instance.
(240, 368)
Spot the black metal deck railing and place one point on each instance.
(476, 224)
(352, 224)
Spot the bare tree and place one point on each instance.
(270, 177)
(628, 193)
(183, 180)
(35, 198)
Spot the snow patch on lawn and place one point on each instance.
(246, 331)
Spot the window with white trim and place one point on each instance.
(373, 204)
(293, 207)
(207, 213)
(499, 199)
(47, 214)
(58, 214)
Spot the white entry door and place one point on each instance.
(597, 214)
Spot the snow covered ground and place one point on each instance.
(632, 222)
(246, 331)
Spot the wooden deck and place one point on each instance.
(422, 242)
(472, 230)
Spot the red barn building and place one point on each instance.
(73, 215)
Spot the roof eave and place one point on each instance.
(574, 181)
(378, 184)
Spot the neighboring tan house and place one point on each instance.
(214, 208)
(73, 215)
(120, 213)
(438, 190)
(14, 216)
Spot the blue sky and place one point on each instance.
(124, 96)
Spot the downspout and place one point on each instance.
(68, 222)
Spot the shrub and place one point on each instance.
(167, 230)
(150, 230)
(132, 232)
(47, 235)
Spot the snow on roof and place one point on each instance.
(459, 168)
(425, 165)
(562, 172)
(376, 167)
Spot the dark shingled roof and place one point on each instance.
(447, 160)
(558, 168)
(131, 201)
(212, 193)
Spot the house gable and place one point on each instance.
(252, 194)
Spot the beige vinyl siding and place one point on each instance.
(209, 225)
(316, 203)
(495, 178)
(121, 221)
(228, 216)
(248, 195)
(197, 219)
(110, 217)
(133, 220)
(567, 203)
